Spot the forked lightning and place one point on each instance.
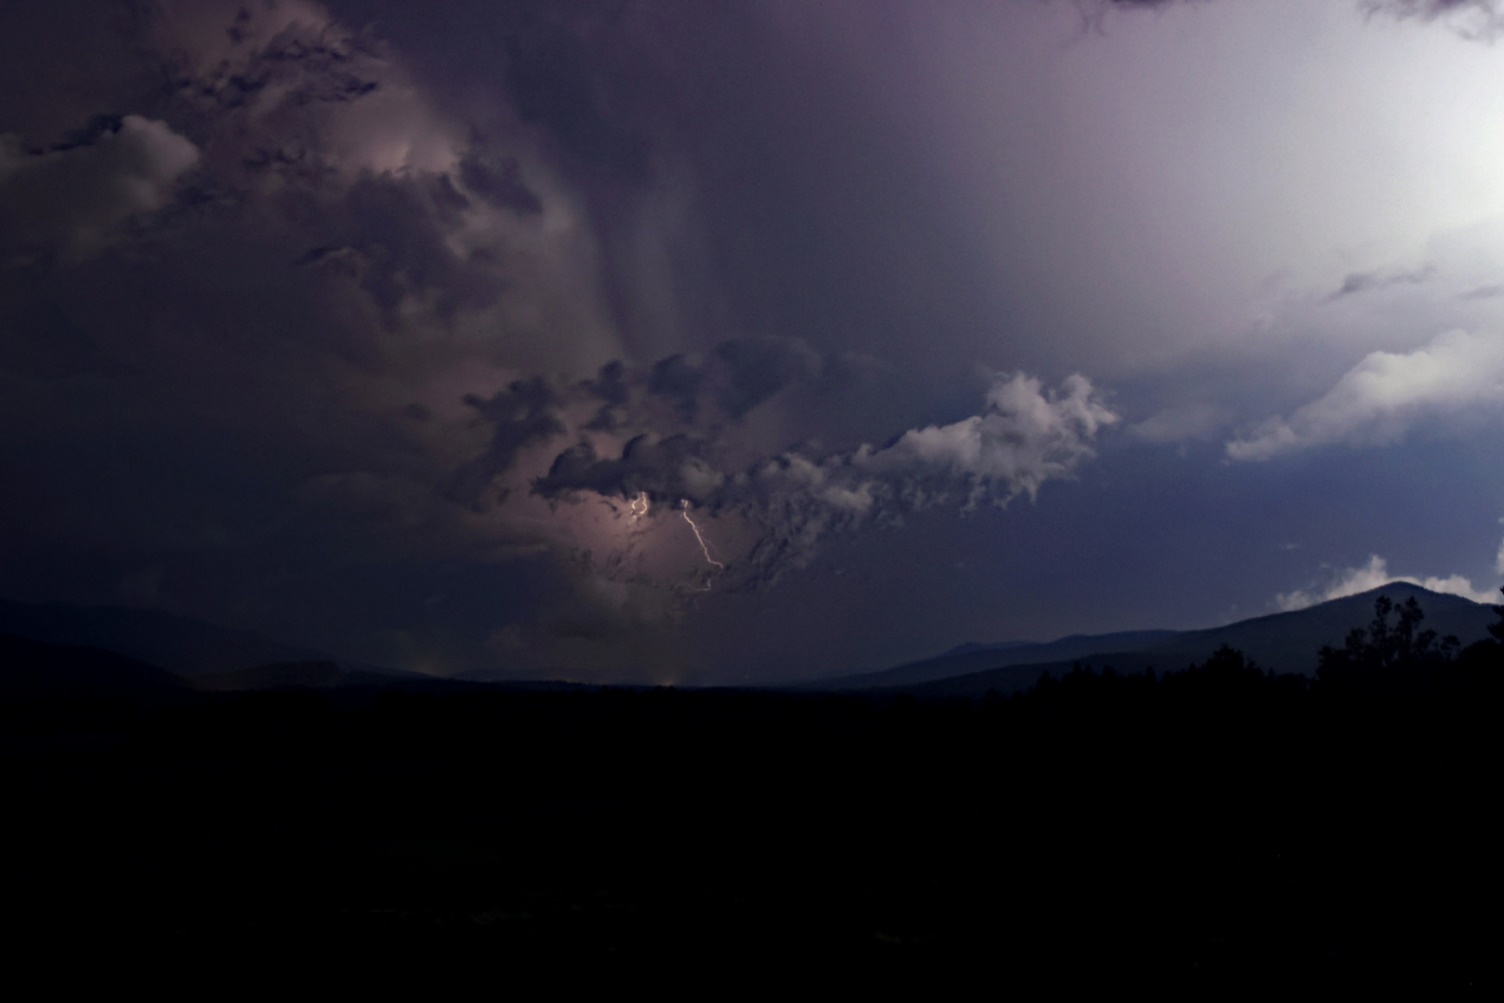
(684, 511)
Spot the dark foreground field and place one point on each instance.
(1239, 834)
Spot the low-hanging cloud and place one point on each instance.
(1380, 398)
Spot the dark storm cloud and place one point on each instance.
(293, 56)
(679, 408)
(521, 415)
(738, 375)
(394, 241)
(306, 62)
(662, 469)
(500, 182)
(676, 379)
(76, 197)
(462, 288)
(266, 261)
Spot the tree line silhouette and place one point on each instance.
(1213, 827)
(1385, 658)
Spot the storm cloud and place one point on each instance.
(75, 197)
(544, 338)
(673, 436)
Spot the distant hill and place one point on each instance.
(36, 669)
(970, 658)
(1290, 642)
(187, 647)
(179, 644)
(323, 675)
(1284, 642)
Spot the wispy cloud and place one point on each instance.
(1363, 282)
(1480, 19)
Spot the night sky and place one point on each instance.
(742, 342)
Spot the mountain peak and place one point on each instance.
(1407, 590)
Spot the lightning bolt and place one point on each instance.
(639, 505)
(684, 511)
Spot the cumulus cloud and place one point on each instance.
(1380, 398)
(1365, 577)
(1025, 435)
(73, 198)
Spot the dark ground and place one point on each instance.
(1101, 833)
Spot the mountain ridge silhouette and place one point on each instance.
(1287, 642)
